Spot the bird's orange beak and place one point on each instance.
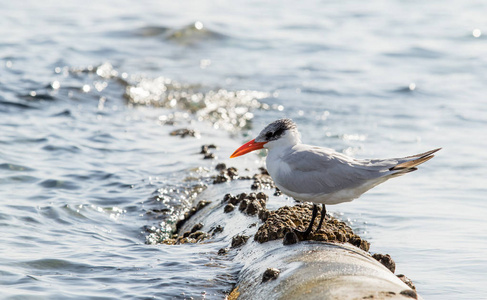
(248, 147)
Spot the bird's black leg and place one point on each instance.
(323, 215)
(310, 226)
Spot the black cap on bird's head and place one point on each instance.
(275, 130)
(271, 132)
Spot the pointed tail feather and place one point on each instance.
(414, 160)
(427, 153)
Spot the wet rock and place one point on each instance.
(386, 261)
(270, 274)
(227, 197)
(228, 208)
(252, 225)
(205, 148)
(215, 230)
(198, 235)
(290, 238)
(251, 204)
(159, 211)
(256, 186)
(209, 156)
(234, 200)
(241, 196)
(288, 219)
(262, 196)
(183, 240)
(184, 132)
(263, 215)
(239, 240)
(187, 237)
(263, 171)
(220, 167)
(407, 281)
(206, 153)
(200, 205)
(223, 251)
(150, 229)
(196, 227)
(220, 179)
(409, 293)
(253, 208)
(359, 242)
(232, 172)
(226, 174)
(262, 182)
(195, 235)
(243, 205)
(277, 192)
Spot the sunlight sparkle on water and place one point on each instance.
(354, 137)
(198, 25)
(55, 85)
(204, 63)
(100, 86)
(101, 103)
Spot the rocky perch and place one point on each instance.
(332, 263)
(282, 222)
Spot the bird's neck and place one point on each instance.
(279, 149)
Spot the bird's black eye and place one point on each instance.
(268, 135)
(279, 132)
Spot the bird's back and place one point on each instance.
(323, 175)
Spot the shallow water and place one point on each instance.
(86, 166)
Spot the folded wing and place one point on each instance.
(308, 169)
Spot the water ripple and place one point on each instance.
(418, 52)
(150, 31)
(4, 103)
(52, 213)
(14, 167)
(192, 33)
(64, 113)
(59, 184)
(69, 149)
(60, 265)
(20, 179)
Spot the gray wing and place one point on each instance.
(308, 169)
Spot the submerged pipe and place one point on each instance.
(273, 268)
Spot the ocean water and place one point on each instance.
(91, 91)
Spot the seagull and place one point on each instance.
(322, 175)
